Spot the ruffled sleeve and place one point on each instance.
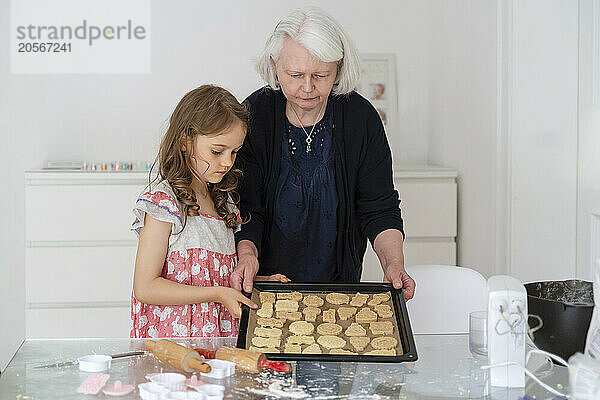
(161, 204)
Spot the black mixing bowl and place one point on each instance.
(565, 308)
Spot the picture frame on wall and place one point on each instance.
(378, 85)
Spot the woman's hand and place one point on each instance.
(233, 300)
(247, 267)
(273, 278)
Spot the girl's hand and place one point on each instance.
(273, 278)
(233, 300)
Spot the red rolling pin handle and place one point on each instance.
(277, 366)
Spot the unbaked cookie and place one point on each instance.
(296, 339)
(264, 349)
(379, 298)
(289, 315)
(342, 351)
(331, 342)
(310, 313)
(384, 342)
(286, 305)
(381, 328)
(356, 330)
(359, 299)
(346, 312)
(329, 328)
(313, 301)
(359, 342)
(265, 311)
(312, 349)
(329, 316)
(384, 310)
(296, 296)
(337, 298)
(381, 352)
(267, 332)
(266, 297)
(270, 322)
(266, 342)
(366, 315)
(292, 348)
(301, 328)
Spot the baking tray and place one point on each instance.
(397, 298)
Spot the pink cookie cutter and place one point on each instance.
(118, 389)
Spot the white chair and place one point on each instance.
(444, 297)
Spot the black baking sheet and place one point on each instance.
(400, 311)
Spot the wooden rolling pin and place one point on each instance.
(177, 356)
(245, 359)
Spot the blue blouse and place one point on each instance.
(303, 233)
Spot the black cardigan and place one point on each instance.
(367, 201)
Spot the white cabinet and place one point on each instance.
(428, 196)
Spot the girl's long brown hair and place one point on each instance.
(206, 110)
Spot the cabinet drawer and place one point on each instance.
(80, 212)
(79, 274)
(428, 208)
(78, 322)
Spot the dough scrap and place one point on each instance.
(310, 313)
(366, 315)
(299, 339)
(328, 328)
(301, 328)
(290, 315)
(266, 297)
(356, 329)
(381, 328)
(384, 311)
(296, 296)
(331, 342)
(312, 349)
(292, 348)
(267, 332)
(270, 322)
(346, 312)
(384, 342)
(265, 311)
(286, 305)
(359, 299)
(359, 342)
(337, 298)
(266, 342)
(313, 301)
(329, 316)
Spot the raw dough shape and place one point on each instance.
(265, 311)
(310, 313)
(296, 296)
(264, 349)
(381, 328)
(381, 352)
(331, 342)
(346, 312)
(312, 349)
(337, 298)
(313, 301)
(384, 311)
(359, 342)
(366, 315)
(266, 297)
(286, 305)
(328, 328)
(384, 342)
(359, 299)
(267, 332)
(342, 351)
(379, 298)
(291, 315)
(329, 316)
(266, 342)
(270, 322)
(292, 348)
(301, 328)
(356, 329)
(296, 339)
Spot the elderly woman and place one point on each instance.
(317, 165)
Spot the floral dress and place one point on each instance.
(202, 254)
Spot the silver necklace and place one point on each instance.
(308, 134)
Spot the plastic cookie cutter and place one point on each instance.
(193, 382)
(153, 391)
(93, 383)
(94, 363)
(187, 396)
(172, 381)
(118, 389)
(220, 369)
(211, 392)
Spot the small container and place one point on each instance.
(478, 334)
(173, 382)
(94, 363)
(219, 369)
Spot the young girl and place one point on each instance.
(186, 224)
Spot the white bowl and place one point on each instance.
(94, 363)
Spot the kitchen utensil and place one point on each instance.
(219, 369)
(169, 380)
(118, 389)
(114, 356)
(177, 356)
(245, 359)
(94, 363)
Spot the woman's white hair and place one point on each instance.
(323, 37)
